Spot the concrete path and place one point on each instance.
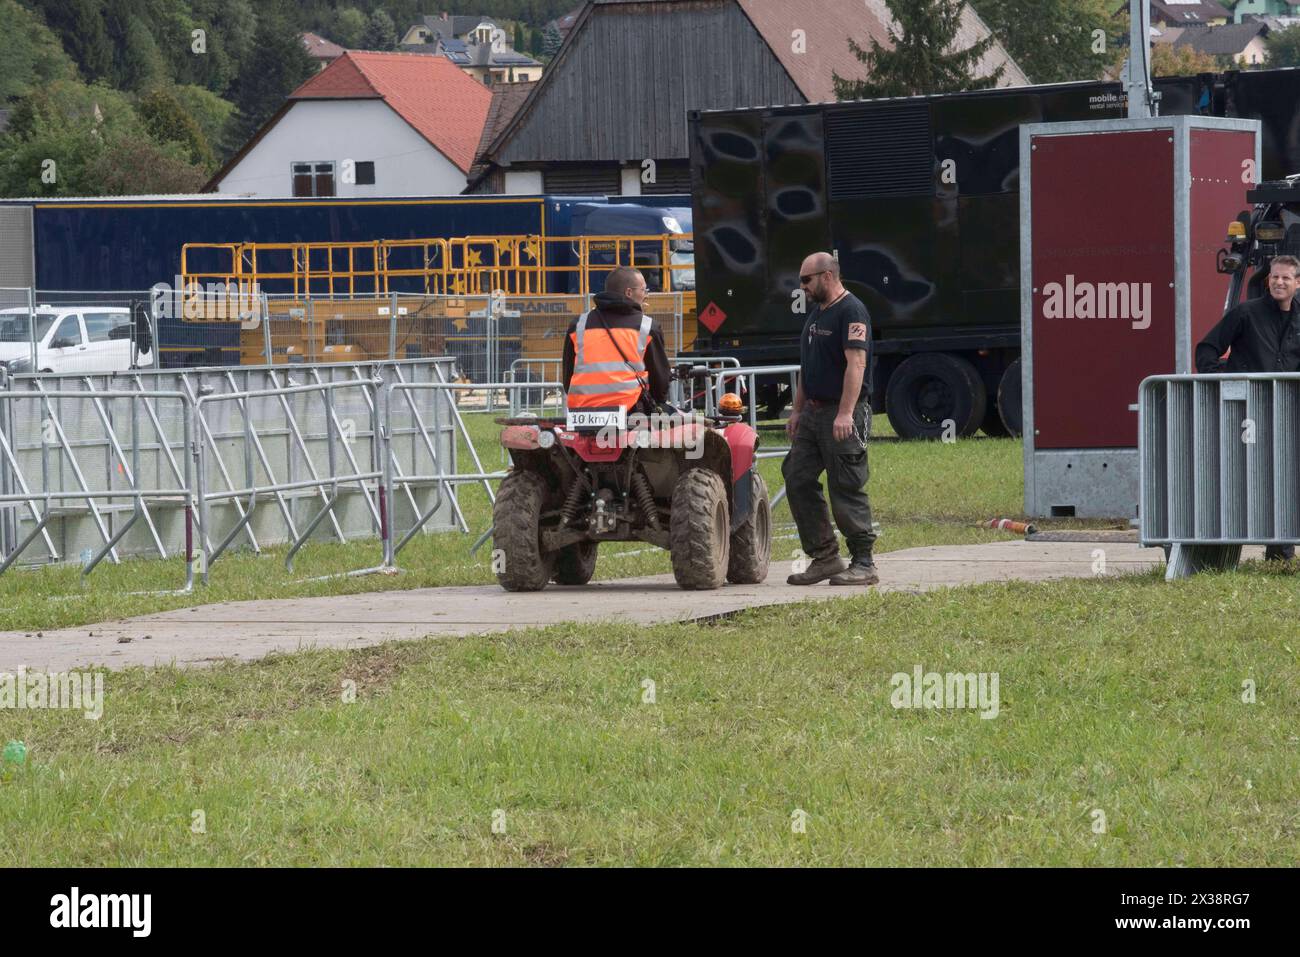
(252, 629)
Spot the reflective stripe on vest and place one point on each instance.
(602, 374)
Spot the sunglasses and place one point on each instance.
(804, 280)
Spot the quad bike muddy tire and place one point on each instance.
(575, 564)
(516, 521)
(751, 544)
(700, 530)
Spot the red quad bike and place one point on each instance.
(690, 486)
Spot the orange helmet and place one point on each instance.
(730, 404)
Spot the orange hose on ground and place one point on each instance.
(1007, 525)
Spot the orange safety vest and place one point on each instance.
(604, 377)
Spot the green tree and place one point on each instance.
(1283, 48)
(142, 63)
(30, 52)
(123, 168)
(167, 120)
(277, 66)
(1168, 60)
(380, 32)
(922, 59)
(209, 111)
(1053, 40)
(216, 57)
(349, 26)
(551, 41)
(520, 43)
(80, 26)
(92, 141)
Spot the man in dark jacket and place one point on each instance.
(1259, 335)
(622, 350)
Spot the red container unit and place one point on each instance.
(1121, 221)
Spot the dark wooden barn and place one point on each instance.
(618, 92)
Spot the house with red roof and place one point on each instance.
(369, 124)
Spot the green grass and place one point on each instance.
(1122, 696)
(1119, 696)
(922, 493)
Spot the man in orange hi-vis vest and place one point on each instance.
(614, 356)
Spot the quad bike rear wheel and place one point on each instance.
(575, 564)
(751, 544)
(699, 530)
(516, 532)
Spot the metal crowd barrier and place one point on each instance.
(304, 456)
(1219, 466)
(42, 448)
(327, 451)
(683, 392)
(544, 397)
(725, 380)
(448, 481)
(339, 440)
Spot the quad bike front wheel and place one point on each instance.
(699, 530)
(516, 534)
(575, 564)
(751, 544)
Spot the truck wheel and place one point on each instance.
(575, 564)
(751, 544)
(1011, 405)
(993, 424)
(516, 530)
(930, 389)
(699, 532)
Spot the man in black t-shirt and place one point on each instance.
(828, 430)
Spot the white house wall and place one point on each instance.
(1255, 54)
(323, 130)
(524, 182)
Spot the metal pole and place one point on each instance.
(383, 447)
(31, 325)
(1143, 103)
(187, 413)
(200, 480)
(6, 514)
(155, 337)
(392, 328)
(266, 331)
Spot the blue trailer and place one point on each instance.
(68, 248)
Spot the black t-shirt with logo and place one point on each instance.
(827, 333)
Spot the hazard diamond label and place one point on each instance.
(712, 317)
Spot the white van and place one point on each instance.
(69, 339)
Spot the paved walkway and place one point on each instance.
(252, 629)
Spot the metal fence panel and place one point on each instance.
(1219, 465)
(83, 475)
(264, 441)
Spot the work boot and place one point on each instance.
(1279, 553)
(859, 573)
(818, 571)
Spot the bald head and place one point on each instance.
(821, 262)
(819, 276)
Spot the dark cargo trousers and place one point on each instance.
(813, 451)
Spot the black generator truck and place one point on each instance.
(919, 198)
